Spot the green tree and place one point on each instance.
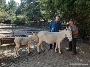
(33, 12)
(30, 9)
(3, 14)
(12, 6)
(50, 8)
(78, 10)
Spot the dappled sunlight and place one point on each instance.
(5, 31)
(4, 57)
(38, 62)
(44, 57)
(32, 46)
(77, 47)
(66, 48)
(23, 50)
(82, 52)
(6, 53)
(5, 45)
(79, 59)
(35, 45)
(9, 54)
(4, 26)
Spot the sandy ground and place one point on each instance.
(48, 58)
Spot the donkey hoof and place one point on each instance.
(59, 52)
(38, 52)
(18, 56)
(15, 57)
(29, 53)
(56, 52)
(43, 50)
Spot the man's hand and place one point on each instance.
(76, 32)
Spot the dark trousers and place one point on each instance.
(72, 45)
(51, 46)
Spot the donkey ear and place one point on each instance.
(34, 33)
(66, 28)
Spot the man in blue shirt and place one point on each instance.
(55, 26)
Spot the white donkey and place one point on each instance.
(53, 37)
(24, 41)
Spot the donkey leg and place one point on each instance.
(15, 52)
(28, 47)
(56, 47)
(59, 47)
(17, 48)
(42, 47)
(38, 45)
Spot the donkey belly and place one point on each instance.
(50, 38)
(24, 43)
(49, 41)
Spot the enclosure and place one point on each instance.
(19, 18)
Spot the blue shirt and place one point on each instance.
(55, 26)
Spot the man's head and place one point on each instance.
(71, 23)
(57, 18)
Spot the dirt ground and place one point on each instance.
(48, 58)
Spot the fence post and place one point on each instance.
(0, 42)
(12, 30)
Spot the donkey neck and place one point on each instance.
(62, 33)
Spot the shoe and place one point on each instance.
(73, 53)
(68, 50)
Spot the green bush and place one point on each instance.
(17, 22)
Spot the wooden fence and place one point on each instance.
(21, 32)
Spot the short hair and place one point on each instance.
(57, 16)
(72, 21)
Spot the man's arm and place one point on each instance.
(76, 32)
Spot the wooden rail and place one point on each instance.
(25, 32)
